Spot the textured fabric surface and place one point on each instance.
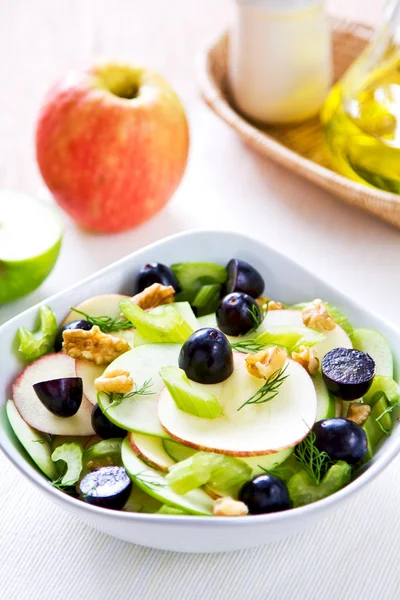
(46, 554)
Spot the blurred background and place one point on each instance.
(225, 186)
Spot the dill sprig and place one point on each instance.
(388, 410)
(116, 398)
(315, 462)
(105, 324)
(269, 390)
(248, 346)
(258, 315)
(67, 488)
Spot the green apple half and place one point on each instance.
(30, 241)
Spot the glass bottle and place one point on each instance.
(361, 117)
(279, 59)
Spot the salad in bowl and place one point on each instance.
(199, 394)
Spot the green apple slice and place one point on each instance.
(336, 338)
(151, 481)
(35, 443)
(255, 429)
(259, 464)
(30, 241)
(373, 343)
(151, 449)
(326, 406)
(139, 413)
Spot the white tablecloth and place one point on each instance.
(354, 555)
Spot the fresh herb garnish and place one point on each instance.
(106, 324)
(388, 410)
(248, 346)
(38, 441)
(67, 488)
(116, 398)
(315, 462)
(258, 315)
(269, 390)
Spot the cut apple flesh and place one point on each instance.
(100, 306)
(97, 306)
(151, 481)
(88, 371)
(139, 413)
(35, 443)
(255, 429)
(51, 366)
(151, 449)
(336, 338)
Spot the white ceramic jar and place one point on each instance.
(280, 65)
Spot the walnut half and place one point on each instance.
(307, 359)
(154, 296)
(316, 316)
(116, 381)
(93, 345)
(265, 363)
(358, 413)
(228, 507)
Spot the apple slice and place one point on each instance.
(151, 481)
(97, 306)
(254, 429)
(89, 371)
(30, 241)
(100, 306)
(51, 366)
(35, 443)
(336, 338)
(139, 413)
(151, 449)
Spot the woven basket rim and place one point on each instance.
(330, 180)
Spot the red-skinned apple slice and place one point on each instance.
(51, 366)
(89, 371)
(255, 429)
(151, 449)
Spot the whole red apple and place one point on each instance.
(112, 144)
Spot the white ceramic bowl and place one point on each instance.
(286, 281)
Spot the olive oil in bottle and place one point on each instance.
(361, 117)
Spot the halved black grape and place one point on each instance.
(242, 277)
(108, 487)
(348, 373)
(103, 426)
(341, 439)
(265, 494)
(206, 357)
(62, 397)
(81, 324)
(238, 313)
(156, 273)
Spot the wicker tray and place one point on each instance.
(299, 147)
